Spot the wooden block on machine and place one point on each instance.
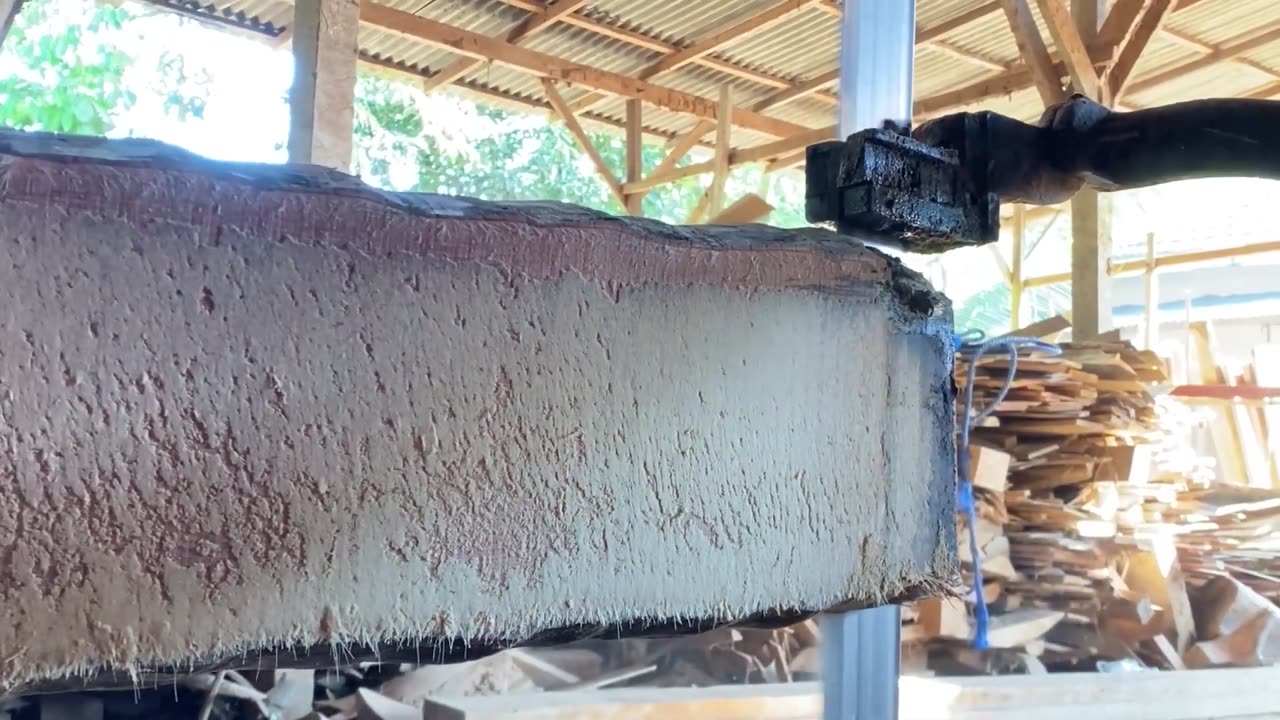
(252, 407)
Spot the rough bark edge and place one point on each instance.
(433, 651)
(28, 173)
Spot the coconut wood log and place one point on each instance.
(258, 414)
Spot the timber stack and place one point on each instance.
(1101, 535)
(1061, 459)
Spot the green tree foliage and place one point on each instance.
(408, 141)
(64, 68)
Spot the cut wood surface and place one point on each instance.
(256, 407)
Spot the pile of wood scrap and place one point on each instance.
(1098, 526)
(1063, 457)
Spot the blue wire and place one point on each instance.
(973, 345)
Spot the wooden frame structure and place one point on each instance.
(753, 81)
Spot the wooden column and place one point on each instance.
(724, 129)
(1090, 222)
(1015, 266)
(320, 103)
(635, 161)
(1150, 298)
(9, 10)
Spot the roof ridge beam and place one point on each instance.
(531, 25)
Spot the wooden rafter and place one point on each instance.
(1226, 52)
(1071, 46)
(760, 153)
(1266, 92)
(794, 92)
(1019, 78)
(1207, 49)
(1031, 47)
(1120, 21)
(955, 23)
(787, 151)
(389, 68)
(968, 56)
(530, 26)
(786, 161)
(657, 45)
(475, 45)
(761, 20)
(1150, 17)
(682, 146)
(584, 141)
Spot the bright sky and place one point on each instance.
(246, 117)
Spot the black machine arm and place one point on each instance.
(984, 159)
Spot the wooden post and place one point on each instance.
(1090, 222)
(1015, 266)
(1150, 298)
(635, 161)
(324, 82)
(9, 10)
(724, 129)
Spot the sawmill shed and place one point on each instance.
(756, 81)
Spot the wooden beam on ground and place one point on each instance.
(584, 141)
(724, 134)
(9, 10)
(1227, 443)
(1234, 694)
(1033, 51)
(1150, 17)
(635, 156)
(322, 100)
(530, 26)
(761, 20)
(1070, 42)
(475, 45)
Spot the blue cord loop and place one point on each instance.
(972, 346)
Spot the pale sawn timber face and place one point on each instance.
(245, 407)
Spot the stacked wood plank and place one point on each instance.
(1071, 432)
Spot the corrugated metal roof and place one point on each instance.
(628, 36)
